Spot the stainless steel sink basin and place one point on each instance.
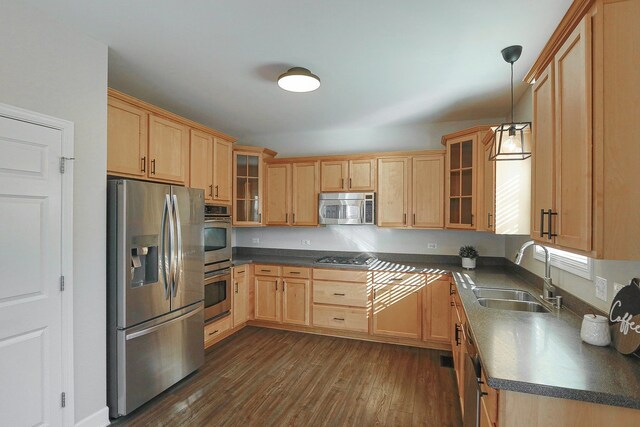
(508, 294)
(513, 305)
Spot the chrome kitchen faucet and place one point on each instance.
(548, 289)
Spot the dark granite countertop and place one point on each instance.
(537, 353)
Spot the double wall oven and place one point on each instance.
(217, 261)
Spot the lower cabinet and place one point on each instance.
(215, 329)
(240, 295)
(340, 299)
(396, 307)
(282, 299)
(436, 309)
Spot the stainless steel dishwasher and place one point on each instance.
(472, 381)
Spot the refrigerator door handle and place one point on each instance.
(162, 325)
(172, 242)
(178, 268)
(165, 257)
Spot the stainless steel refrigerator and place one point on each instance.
(155, 273)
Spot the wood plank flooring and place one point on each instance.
(267, 377)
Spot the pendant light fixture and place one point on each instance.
(512, 141)
(299, 79)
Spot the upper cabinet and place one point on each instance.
(348, 175)
(127, 127)
(461, 177)
(146, 142)
(247, 188)
(585, 124)
(427, 191)
(168, 150)
(291, 193)
(393, 191)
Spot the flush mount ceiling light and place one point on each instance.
(299, 79)
(512, 141)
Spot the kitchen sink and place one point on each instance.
(513, 305)
(507, 294)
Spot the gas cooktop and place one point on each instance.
(359, 260)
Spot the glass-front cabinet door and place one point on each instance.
(461, 182)
(247, 191)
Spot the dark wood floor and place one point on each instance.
(265, 377)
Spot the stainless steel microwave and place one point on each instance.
(347, 208)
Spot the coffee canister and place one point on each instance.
(595, 330)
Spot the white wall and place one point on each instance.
(48, 68)
(620, 271)
(369, 238)
(365, 140)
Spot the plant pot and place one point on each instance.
(469, 263)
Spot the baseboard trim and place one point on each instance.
(97, 419)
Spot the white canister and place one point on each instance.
(469, 263)
(595, 330)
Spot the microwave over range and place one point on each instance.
(217, 261)
(346, 208)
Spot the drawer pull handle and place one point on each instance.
(294, 272)
(396, 280)
(214, 332)
(337, 294)
(266, 271)
(338, 318)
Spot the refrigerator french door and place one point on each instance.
(155, 289)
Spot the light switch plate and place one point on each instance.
(617, 287)
(601, 288)
(255, 240)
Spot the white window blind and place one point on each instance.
(579, 265)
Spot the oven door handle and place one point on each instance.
(225, 272)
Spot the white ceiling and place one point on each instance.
(381, 63)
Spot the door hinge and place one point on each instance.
(63, 161)
(63, 399)
(61, 283)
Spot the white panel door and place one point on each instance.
(30, 268)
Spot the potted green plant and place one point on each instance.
(468, 254)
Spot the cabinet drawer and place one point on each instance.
(300, 272)
(348, 319)
(340, 275)
(267, 270)
(390, 278)
(215, 329)
(340, 293)
(239, 270)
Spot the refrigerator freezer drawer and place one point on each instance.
(151, 359)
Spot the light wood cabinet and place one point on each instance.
(148, 143)
(304, 205)
(348, 175)
(350, 319)
(295, 301)
(216, 330)
(542, 155)
(504, 191)
(127, 139)
(266, 298)
(393, 191)
(585, 125)
(168, 150)
(436, 310)
(277, 193)
(201, 163)
(427, 201)
(222, 171)
(282, 299)
(461, 177)
(240, 296)
(291, 193)
(397, 304)
(340, 299)
(247, 188)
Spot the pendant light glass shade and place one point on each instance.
(511, 141)
(299, 79)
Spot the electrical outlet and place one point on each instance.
(617, 287)
(255, 240)
(601, 288)
(305, 242)
(432, 245)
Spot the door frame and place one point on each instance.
(66, 129)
